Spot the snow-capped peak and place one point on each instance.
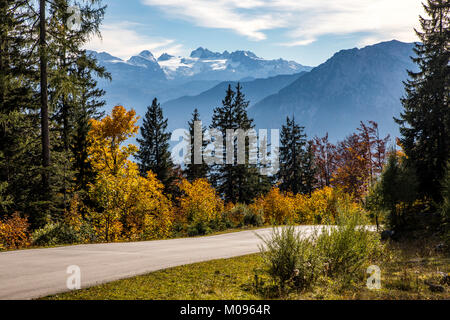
(147, 55)
(165, 57)
(204, 64)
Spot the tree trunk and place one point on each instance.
(44, 100)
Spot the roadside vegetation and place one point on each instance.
(409, 270)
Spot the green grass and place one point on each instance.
(404, 271)
(217, 279)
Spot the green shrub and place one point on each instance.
(235, 215)
(199, 228)
(290, 259)
(348, 247)
(253, 219)
(221, 223)
(60, 233)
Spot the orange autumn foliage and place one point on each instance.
(276, 207)
(14, 232)
(323, 206)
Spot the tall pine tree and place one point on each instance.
(296, 164)
(236, 182)
(194, 170)
(19, 134)
(87, 106)
(154, 151)
(309, 169)
(425, 120)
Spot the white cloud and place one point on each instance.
(235, 15)
(304, 20)
(121, 40)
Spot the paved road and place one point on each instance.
(28, 274)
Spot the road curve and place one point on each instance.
(29, 274)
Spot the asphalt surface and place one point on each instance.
(29, 274)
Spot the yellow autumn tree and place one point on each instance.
(128, 205)
(324, 205)
(199, 202)
(277, 207)
(106, 152)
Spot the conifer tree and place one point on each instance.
(293, 158)
(19, 134)
(309, 170)
(154, 151)
(61, 56)
(87, 107)
(425, 120)
(236, 182)
(195, 171)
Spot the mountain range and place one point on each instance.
(169, 77)
(353, 85)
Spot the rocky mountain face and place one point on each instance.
(354, 85)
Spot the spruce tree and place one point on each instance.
(425, 120)
(61, 60)
(19, 121)
(293, 158)
(68, 56)
(195, 171)
(154, 151)
(48, 59)
(74, 98)
(309, 170)
(88, 105)
(236, 182)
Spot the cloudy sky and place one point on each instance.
(307, 31)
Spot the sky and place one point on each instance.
(306, 31)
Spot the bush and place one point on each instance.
(14, 232)
(61, 233)
(222, 223)
(199, 201)
(320, 207)
(348, 247)
(278, 208)
(242, 215)
(199, 228)
(236, 214)
(290, 259)
(323, 204)
(253, 219)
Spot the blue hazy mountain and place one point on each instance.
(178, 111)
(353, 85)
(136, 81)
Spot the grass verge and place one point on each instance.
(406, 270)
